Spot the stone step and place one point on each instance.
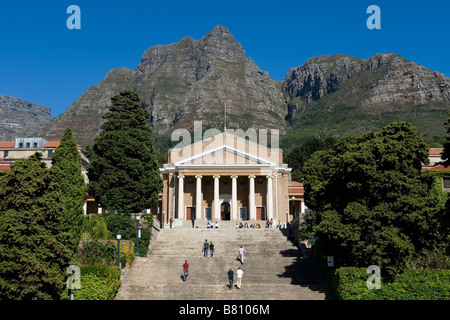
(273, 267)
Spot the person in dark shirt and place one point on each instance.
(230, 278)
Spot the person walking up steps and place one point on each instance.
(239, 274)
(241, 255)
(211, 248)
(185, 270)
(230, 278)
(205, 248)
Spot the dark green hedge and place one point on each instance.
(98, 283)
(430, 284)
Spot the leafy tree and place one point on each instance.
(123, 162)
(372, 199)
(297, 156)
(68, 179)
(32, 259)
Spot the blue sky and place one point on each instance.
(42, 61)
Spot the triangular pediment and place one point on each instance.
(226, 155)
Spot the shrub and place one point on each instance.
(350, 284)
(98, 283)
(105, 252)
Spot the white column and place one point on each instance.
(216, 198)
(181, 196)
(234, 210)
(198, 198)
(269, 201)
(302, 209)
(252, 208)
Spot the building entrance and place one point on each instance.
(225, 211)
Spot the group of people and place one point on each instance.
(211, 225)
(206, 246)
(239, 273)
(246, 226)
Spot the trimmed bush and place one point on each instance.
(430, 284)
(98, 283)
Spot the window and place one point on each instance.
(242, 183)
(208, 215)
(50, 153)
(243, 213)
(28, 145)
(225, 183)
(260, 181)
(446, 184)
(5, 154)
(20, 144)
(190, 181)
(35, 145)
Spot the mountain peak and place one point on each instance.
(220, 31)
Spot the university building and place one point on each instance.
(227, 177)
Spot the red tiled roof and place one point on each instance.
(296, 187)
(436, 167)
(5, 167)
(435, 151)
(52, 144)
(7, 144)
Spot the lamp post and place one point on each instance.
(293, 207)
(136, 250)
(118, 249)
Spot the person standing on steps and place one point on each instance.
(230, 278)
(211, 248)
(239, 274)
(241, 255)
(205, 248)
(193, 222)
(185, 270)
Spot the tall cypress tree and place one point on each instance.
(67, 178)
(123, 161)
(32, 259)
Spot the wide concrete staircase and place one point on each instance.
(274, 268)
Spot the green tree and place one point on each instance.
(32, 259)
(372, 199)
(123, 163)
(297, 156)
(68, 179)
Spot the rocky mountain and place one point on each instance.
(327, 96)
(20, 118)
(340, 95)
(182, 82)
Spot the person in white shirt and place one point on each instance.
(241, 255)
(239, 274)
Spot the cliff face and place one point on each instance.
(183, 82)
(20, 118)
(338, 95)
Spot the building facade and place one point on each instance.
(227, 177)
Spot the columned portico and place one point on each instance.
(225, 177)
